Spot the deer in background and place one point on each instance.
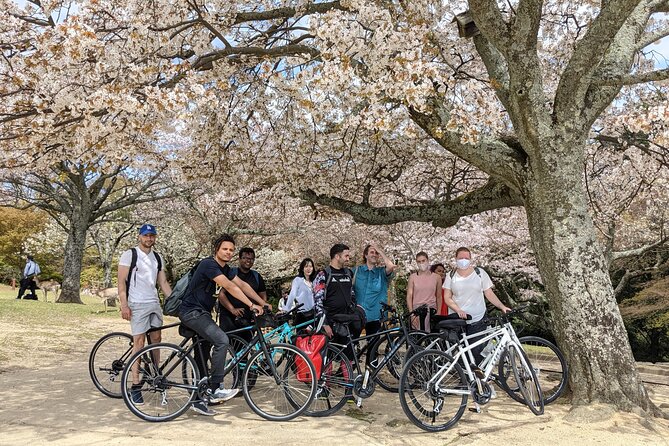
(50, 285)
(109, 296)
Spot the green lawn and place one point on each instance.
(42, 313)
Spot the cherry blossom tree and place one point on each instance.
(368, 107)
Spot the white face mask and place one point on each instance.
(423, 267)
(463, 263)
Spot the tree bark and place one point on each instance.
(74, 254)
(589, 327)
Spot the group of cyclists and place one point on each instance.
(334, 290)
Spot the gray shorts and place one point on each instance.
(145, 316)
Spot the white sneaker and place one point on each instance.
(219, 395)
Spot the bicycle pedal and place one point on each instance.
(475, 409)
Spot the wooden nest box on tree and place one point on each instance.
(466, 26)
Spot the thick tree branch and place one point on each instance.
(632, 79)
(493, 195)
(489, 20)
(638, 251)
(525, 27)
(617, 62)
(498, 70)
(288, 12)
(589, 53)
(491, 156)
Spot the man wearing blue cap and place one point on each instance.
(140, 269)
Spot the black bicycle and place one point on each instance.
(342, 377)
(273, 378)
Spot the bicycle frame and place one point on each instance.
(505, 336)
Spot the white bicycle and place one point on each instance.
(434, 387)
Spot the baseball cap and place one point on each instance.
(147, 229)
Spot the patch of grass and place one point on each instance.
(358, 414)
(39, 313)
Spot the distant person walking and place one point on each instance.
(30, 271)
(140, 269)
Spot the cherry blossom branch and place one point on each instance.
(441, 213)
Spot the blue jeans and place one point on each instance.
(202, 323)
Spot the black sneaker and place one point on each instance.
(136, 396)
(201, 408)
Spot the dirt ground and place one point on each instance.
(46, 396)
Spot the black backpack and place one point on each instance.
(172, 303)
(358, 325)
(133, 267)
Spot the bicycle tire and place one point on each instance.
(107, 360)
(237, 345)
(158, 378)
(549, 365)
(279, 396)
(335, 385)
(526, 379)
(420, 399)
(389, 377)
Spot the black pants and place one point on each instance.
(477, 327)
(303, 316)
(24, 285)
(372, 327)
(206, 328)
(228, 322)
(339, 338)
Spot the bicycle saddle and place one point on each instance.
(345, 318)
(450, 324)
(186, 332)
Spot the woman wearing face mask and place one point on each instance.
(424, 287)
(464, 291)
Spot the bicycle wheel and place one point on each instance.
(335, 385)
(526, 379)
(389, 377)
(106, 362)
(549, 365)
(433, 397)
(279, 392)
(168, 387)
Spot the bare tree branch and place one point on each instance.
(492, 195)
(632, 79)
(638, 251)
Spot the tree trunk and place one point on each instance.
(588, 324)
(74, 254)
(107, 269)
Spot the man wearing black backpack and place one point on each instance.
(140, 269)
(333, 295)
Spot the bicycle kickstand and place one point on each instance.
(358, 402)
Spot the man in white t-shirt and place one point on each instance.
(464, 291)
(139, 270)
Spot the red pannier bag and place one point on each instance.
(314, 347)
